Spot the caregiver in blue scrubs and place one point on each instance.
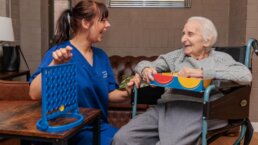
(86, 23)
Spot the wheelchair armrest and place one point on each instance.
(225, 84)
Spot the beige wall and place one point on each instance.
(145, 31)
(252, 32)
(30, 27)
(152, 31)
(2, 7)
(44, 6)
(237, 22)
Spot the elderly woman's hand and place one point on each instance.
(190, 72)
(135, 81)
(148, 73)
(61, 55)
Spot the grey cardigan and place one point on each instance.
(217, 65)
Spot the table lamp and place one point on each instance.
(6, 36)
(6, 30)
(9, 55)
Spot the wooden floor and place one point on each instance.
(230, 140)
(220, 141)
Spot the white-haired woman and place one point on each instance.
(176, 120)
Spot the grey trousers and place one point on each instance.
(173, 123)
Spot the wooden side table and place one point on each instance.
(18, 120)
(10, 75)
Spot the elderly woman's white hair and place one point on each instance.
(208, 29)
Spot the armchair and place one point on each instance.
(14, 90)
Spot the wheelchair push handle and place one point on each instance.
(252, 43)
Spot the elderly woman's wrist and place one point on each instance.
(143, 71)
(208, 74)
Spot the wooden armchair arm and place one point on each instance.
(14, 90)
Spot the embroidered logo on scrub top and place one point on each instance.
(104, 74)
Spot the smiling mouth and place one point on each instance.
(187, 46)
(103, 31)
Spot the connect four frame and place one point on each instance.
(59, 97)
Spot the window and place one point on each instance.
(150, 3)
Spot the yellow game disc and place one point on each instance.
(206, 83)
(61, 108)
(189, 83)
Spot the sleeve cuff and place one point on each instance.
(209, 74)
(140, 66)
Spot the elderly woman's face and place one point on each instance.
(193, 40)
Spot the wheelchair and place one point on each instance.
(235, 102)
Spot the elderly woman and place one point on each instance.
(176, 120)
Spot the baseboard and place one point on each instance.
(255, 125)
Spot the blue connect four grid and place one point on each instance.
(59, 97)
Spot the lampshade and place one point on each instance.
(6, 29)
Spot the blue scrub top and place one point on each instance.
(94, 81)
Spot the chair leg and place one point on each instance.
(204, 131)
(249, 132)
(134, 108)
(242, 134)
